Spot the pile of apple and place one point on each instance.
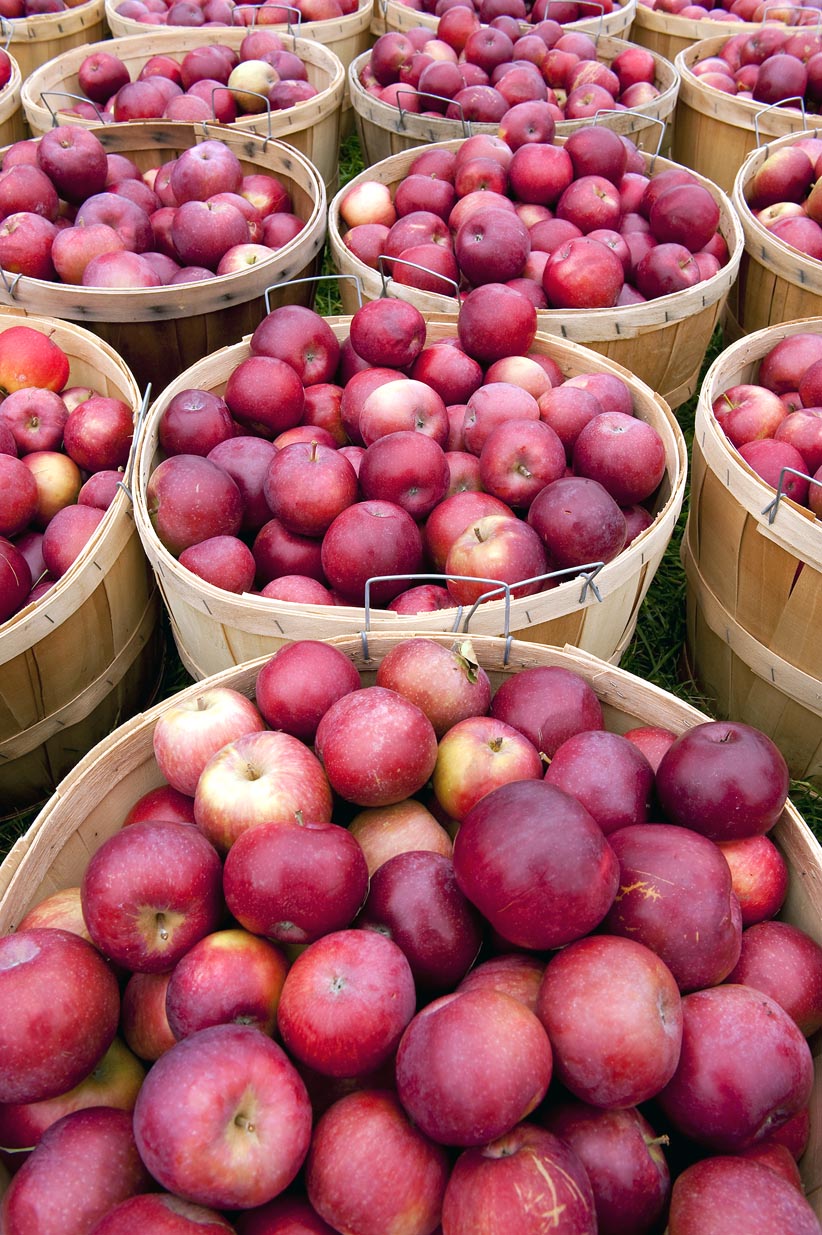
(322, 465)
(805, 13)
(71, 212)
(572, 226)
(775, 422)
(382, 971)
(261, 75)
(772, 65)
(473, 72)
(62, 453)
(783, 195)
(232, 13)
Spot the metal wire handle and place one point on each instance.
(126, 483)
(773, 506)
(45, 95)
(312, 278)
(587, 572)
(794, 98)
(467, 131)
(605, 113)
(385, 257)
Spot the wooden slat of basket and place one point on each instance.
(735, 673)
(12, 119)
(669, 34)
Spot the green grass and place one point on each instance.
(655, 652)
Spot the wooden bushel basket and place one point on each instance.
(395, 15)
(91, 803)
(385, 130)
(669, 34)
(311, 127)
(777, 283)
(161, 330)
(714, 132)
(34, 40)
(12, 119)
(86, 655)
(754, 587)
(663, 342)
(214, 629)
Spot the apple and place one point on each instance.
(144, 1023)
(394, 1178)
(256, 778)
(228, 977)
(578, 521)
(114, 1082)
(163, 1214)
(528, 882)
(384, 831)
(625, 454)
(450, 1050)
(36, 418)
(612, 1011)
(242, 1124)
(711, 1195)
(345, 1002)
(189, 498)
(759, 875)
(446, 683)
(93, 1154)
(496, 321)
(368, 540)
(720, 1026)
(475, 756)
(48, 1046)
(193, 728)
(785, 963)
(607, 774)
(149, 892)
(67, 534)
(388, 723)
(294, 882)
(193, 422)
(724, 779)
(74, 160)
(308, 485)
(519, 1177)
(388, 332)
(15, 579)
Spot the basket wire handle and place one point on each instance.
(257, 95)
(11, 287)
(795, 98)
(312, 278)
(6, 31)
(773, 506)
(126, 483)
(587, 572)
(605, 113)
(467, 131)
(255, 8)
(45, 95)
(384, 257)
(591, 4)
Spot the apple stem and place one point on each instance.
(478, 534)
(495, 744)
(242, 1121)
(162, 929)
(659, 1140)
(312, 458)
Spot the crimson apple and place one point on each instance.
(193, 728)
(712, 1195)
(446, 683)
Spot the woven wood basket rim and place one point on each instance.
(263, 612)
(590, 324)
(186, 299)
(53, 74)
